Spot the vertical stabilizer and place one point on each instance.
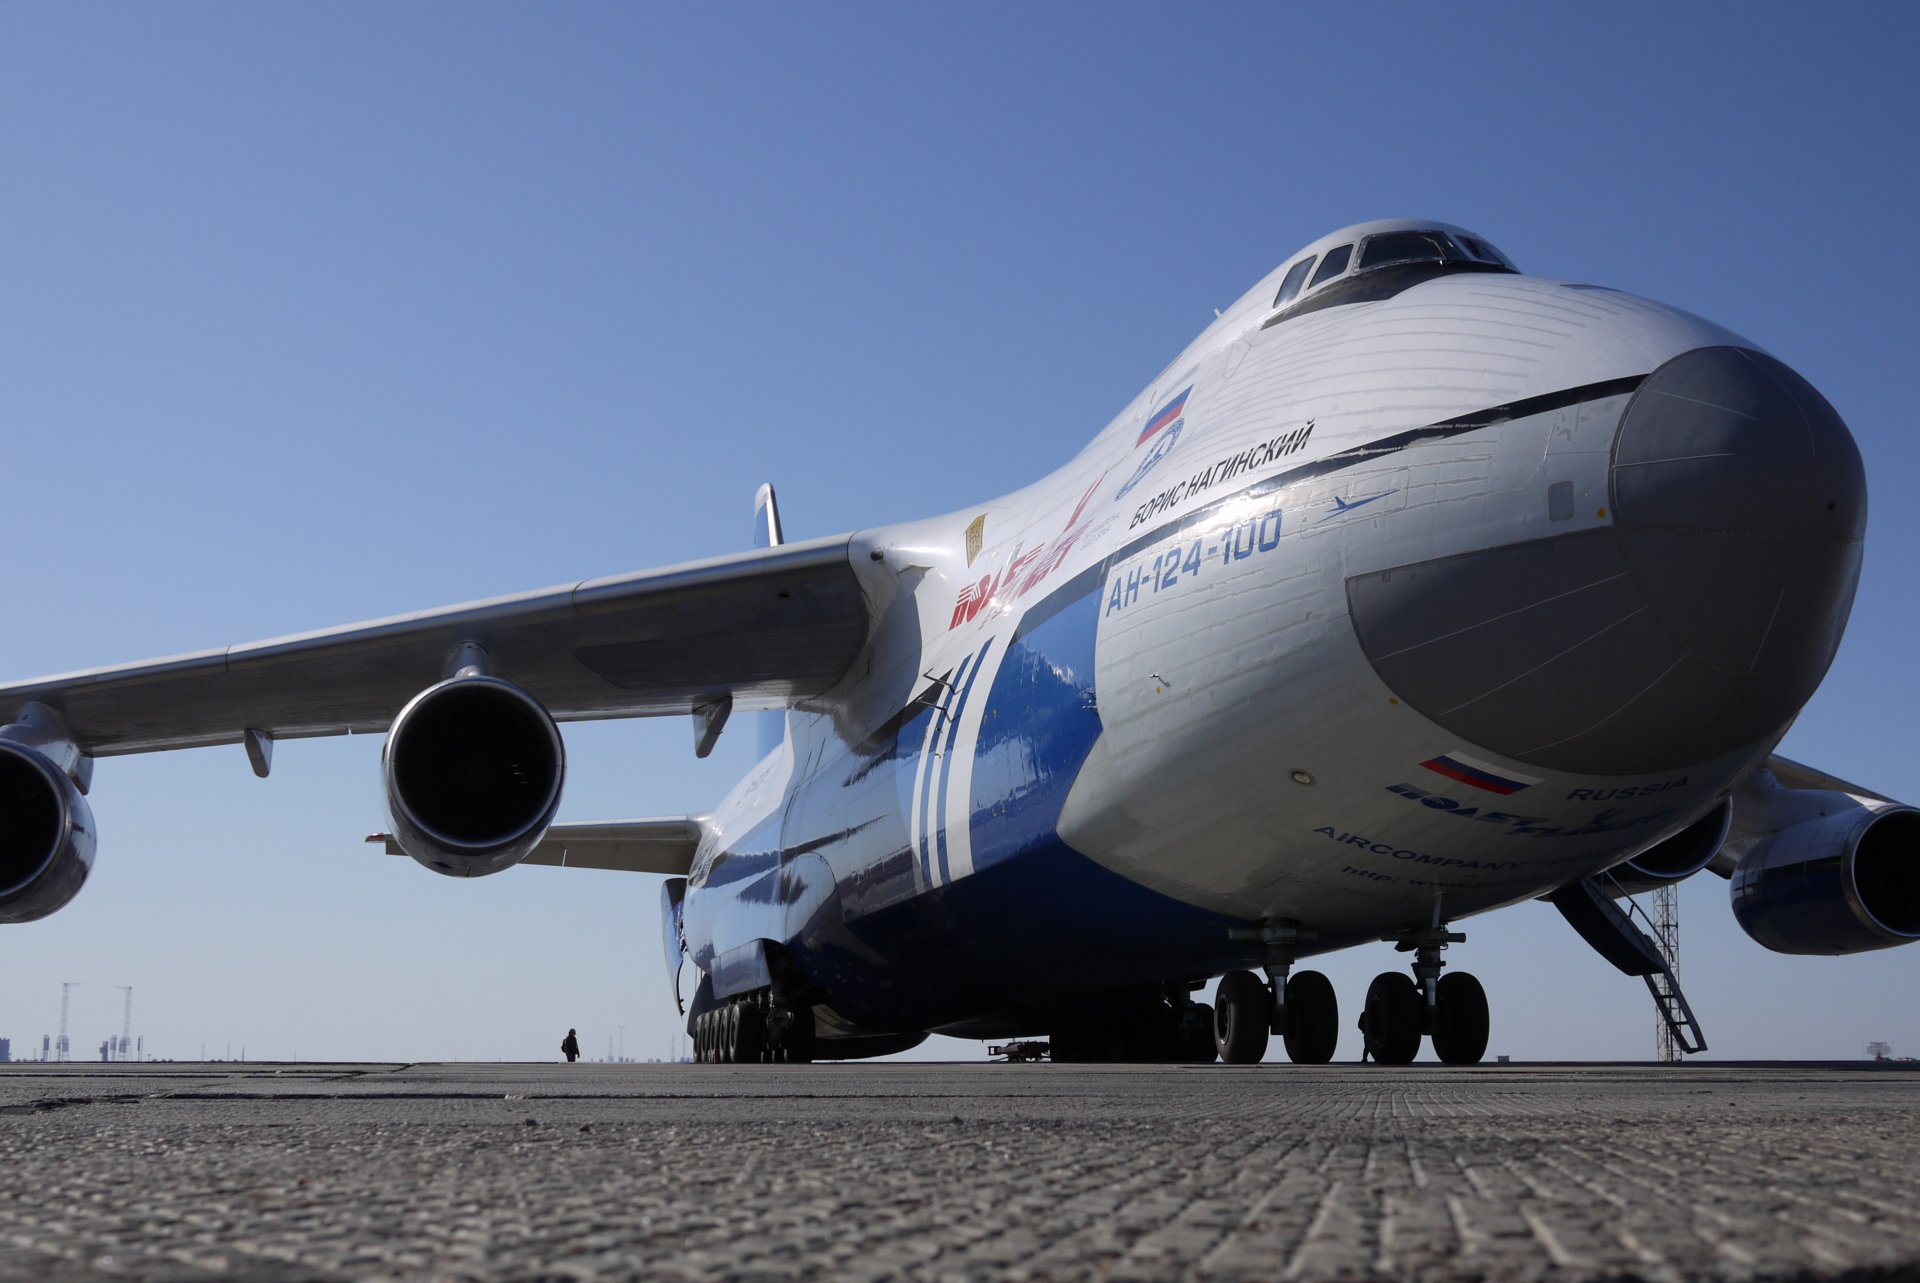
(766, 518)
(770, 728)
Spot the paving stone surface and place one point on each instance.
(957, 1172)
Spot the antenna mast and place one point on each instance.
(66, 989)
(126, 1023)
(1666, 937)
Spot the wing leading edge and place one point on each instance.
(663, 845)
(767, 627)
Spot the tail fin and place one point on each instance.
(766, 518)
(769, 728)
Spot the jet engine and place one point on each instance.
(1680, 856)
(1844, 880)
(473, 771)
(46, 835)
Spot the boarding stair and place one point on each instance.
(1592, 907)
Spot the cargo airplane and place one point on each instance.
(1416, 586)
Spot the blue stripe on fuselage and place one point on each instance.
(979, 661)
(1040, 721)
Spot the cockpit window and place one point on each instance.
(1295, 279)
(1333, 264)
(1483, 251)
(1407, 247)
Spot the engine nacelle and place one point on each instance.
(46, 835)
(473, 771)
(1843, 881)
(1680, 856)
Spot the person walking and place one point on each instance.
(570, 1047)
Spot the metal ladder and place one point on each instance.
(1593, 911)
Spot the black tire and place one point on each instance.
(730, 1034)
(1313, 1019)
(1196, 1035)
(701, 1026)
(798, 1041)
(1155, 1037)
(1460, 1021)
(749, 1034)
(1242, 1016)
(1395, 1015)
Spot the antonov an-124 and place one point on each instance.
(1414, 587)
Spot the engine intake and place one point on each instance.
(1842, 882)
(1680, 856)
(46, 836)
(473, 771)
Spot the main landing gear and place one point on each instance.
(1451, 1010)
(754, 1028)
(1172, 1030)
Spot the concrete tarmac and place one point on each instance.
(957, 1172)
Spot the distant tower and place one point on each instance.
(1666, 935)
(126, 1024)
(1880, 1050)
(66, 989)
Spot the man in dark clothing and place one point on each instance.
(570, 1047)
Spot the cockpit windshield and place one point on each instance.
(1355, 272)
(1390, 248)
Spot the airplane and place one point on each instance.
(1413, 588)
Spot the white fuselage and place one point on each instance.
(1227, 665)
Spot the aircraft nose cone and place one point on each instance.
(1739, 501)
(1693, 624)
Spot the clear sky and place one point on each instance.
(311, 314)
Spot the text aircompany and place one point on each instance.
(1412, 857)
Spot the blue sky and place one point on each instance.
(314, 314)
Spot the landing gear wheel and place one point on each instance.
(1395, 1012)
(1196, 1035)
(730, 1035)
(1313, 1018)
(1242, 1012)
(1460, 1019)
(1156, 1037)
(749, 1034)
(797, 1042)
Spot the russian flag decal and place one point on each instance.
(1481, 775)
(1168, 413)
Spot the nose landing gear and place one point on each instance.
(1452, 1009)
(1307, 1016)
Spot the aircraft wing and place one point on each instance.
(766, 627)
(1798, 775)
(630, 846)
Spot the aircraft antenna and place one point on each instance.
(66, 990)
(1666, 938)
